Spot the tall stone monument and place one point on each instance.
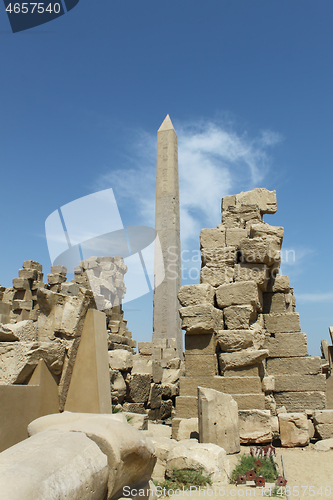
(166, 322)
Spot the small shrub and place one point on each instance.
(246, 463)
(184, 478)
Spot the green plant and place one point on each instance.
(247, 462)
(184, 478)
(118, 409)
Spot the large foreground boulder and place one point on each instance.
(131, 456)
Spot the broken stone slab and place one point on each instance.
(32, 264)
(298, 383)
(19, 359)
(260, 250)
(54, 464)
(218, 419)
(155, 396)
(234, 340)
(145, 348)
(25, 331)
(138, 421)
(135, 408)
(277, 303)
(28, 274)
(157, 371)
(258, 273)
(170, 390)
(278, 283)
(142, 364)
(282, 323)
(70, 289)
(185, 428)
(268, 383)
(174, 364)
(191, 295)
(166, 409)
(324, 445)
(139, 387)
(118, 385)
(264, 230)
(216, 276)
(130, 454)
(238, 317)
(202, 318)
(170, 376)
(301, 401)
(239, 293)
(323, 421)
(200, 343)
(20, 284)
(286, 345)
(120, 359)
(210, 458)
(212, 238)
(293, 429)
(255, 426)
(218, 257)
(262, 197)
(232, 360)
(163, 445)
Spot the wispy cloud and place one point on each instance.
(213, 161)
(315, 297)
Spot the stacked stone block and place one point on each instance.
(119, 336)
(243, 313)
(327, 367)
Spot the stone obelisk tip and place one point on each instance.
(166, 125)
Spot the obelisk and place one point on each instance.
(166, 320)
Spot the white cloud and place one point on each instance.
(213, 162)
(315, 297)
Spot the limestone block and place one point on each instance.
(234, 340)
(212, 238)
(262, 197)
(218, 419)
(186, 407)
(311, 429)
(286, 345)
(157, 371)
(323, 420)
(264, 230)
(230, 385)
(205, 363)
(185, 428)
(250, 401)
(268, 383)
(293, 429)
(324, 431)
(32, 264)
(120, 359)
(244, 371)
(54, 279)
(21, 284)
(118, 385)
(241, 216)
(174, 363)
(324, 445)
(142, 364)
(298, 382)
(163, 446)
(200, 344)
(138, 421)
(135, 408)
(201, 318)
(139, 387)
(255, 426)
(170, 390)
(282, 323)
(309, 365)
(170, 376)
(238, 317)
(242, 292)
(300, 401)
(22, 304)
(54, 464)
(217, 276)
(275, 303)
(69, 288)
(130, 454)
(265, 251)
(166, 409)
(145, 348)
(28, 274)
(234, 235)
(246, 271)
(218, 257)
(19, 359)
(25, 331)
(207, 457)
(279, 283)
(191, 295)
(155, 396)
(232, 360)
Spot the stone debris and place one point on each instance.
(294, 430)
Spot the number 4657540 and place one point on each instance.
(30, 8)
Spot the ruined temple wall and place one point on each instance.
(243, 335)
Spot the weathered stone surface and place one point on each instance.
(170, 390)
(238, 317)
(299, 383)
(206, 363)
(282, 323)
(309, 365)
(70, 289)
(207, 457)
(245, 371)
(262, 197)
(212, 238)
(142, 364)
(23, 330)
(277, 303)
(166, 409)
(19, 359)
(234, 340)
(242, 292)
(135, 408)
(293, 429)
(260, 250)
(324, 445)
(130, 454)
(286, 345)
(300, 401)
(200, 344)
(139, 387)
(163, 445)
(174, 364)
(218, 419)
(246, 271)
(229, 385)
(155, 396)
(268, 383)
(61, 314)
(201, 318)
(157, 371)
(278, 283)
(145, 348)
(120, 359)
(218, 257)
(186, 407)
(54, 464)
(216, 276)
(323, 420)
(232, 360)
(138, 421)
(185, 428)
(264, 230)
(170, 376)
(255, 426)
(118, 385)
(21, 284)
(234, 235)
(191, 295)
(32, 264)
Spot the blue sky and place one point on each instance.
(248, 86)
